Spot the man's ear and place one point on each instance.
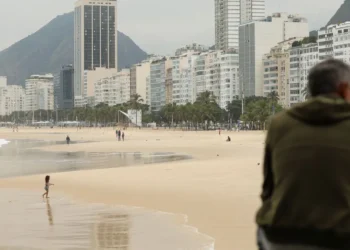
(344, 90)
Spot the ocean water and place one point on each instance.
(29, 222)
(25, 157)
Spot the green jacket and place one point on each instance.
(307, 168)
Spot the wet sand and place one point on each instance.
(57, 224)
(218, 189)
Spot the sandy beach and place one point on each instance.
(218, 189)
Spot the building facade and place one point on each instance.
(143, 71)
(157, 96)
(12, 98)
(95, 41)
(39, 90)
(229, 78)
(113, 90)
(3, 81)
(169, 86)
(195, 47)
(183, 74)
(257, 38)
(333, 41)
(229, 14)
(302, 59)
(64, 88)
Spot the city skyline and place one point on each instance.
(183, 25)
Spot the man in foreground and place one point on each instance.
(306, 189)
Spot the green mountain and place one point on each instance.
(52, 46)
(342, 15)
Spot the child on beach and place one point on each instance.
(47, 186)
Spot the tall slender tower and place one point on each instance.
(229, 14)
(95, 39)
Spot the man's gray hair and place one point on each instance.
(325, 77)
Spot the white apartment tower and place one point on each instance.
(39, 93)
(333, 41)
(229, 14)
(256, 39)
(12, 98)
(113, 90)
(95, 40)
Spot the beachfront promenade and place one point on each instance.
(218, 189)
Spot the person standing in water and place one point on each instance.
(47, 186)
(68, 140)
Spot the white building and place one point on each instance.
(143, 71)
(276, 71)
(229, 78)
(229, 14)
(157, 83)
(95, 42)
(39, 93)
(195, 47)
(257, 38)
(3, 81)
(90, 77)
(113, 90)
(302, 59)
(221, 76)
(12, 98)
(183, 69)
(334, 41)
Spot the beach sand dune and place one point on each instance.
(218, 189)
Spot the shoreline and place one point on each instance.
(68, 213)
(218, 189)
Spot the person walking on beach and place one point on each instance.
(47, 186)
(306, 188)
(119, 134)
(116, 133)
(123, 136)
(68, 140)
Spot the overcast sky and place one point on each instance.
(157, 26)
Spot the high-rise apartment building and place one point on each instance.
(3, 81)
(256, 39)
(229, 14)
(64, 88)
(302, 59)
(156, 88)
(113, 90)
(12, 98)
(95, 40)
(276, 71)
(39, 93)
(333, 41)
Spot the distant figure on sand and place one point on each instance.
(123, 136)
(119, 134)
(306, 189)
(228, 139)
(47, 186)
(68, 139)
(116, 133)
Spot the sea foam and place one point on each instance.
(3, 142)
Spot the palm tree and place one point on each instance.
(273, 96)
(135, 103)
